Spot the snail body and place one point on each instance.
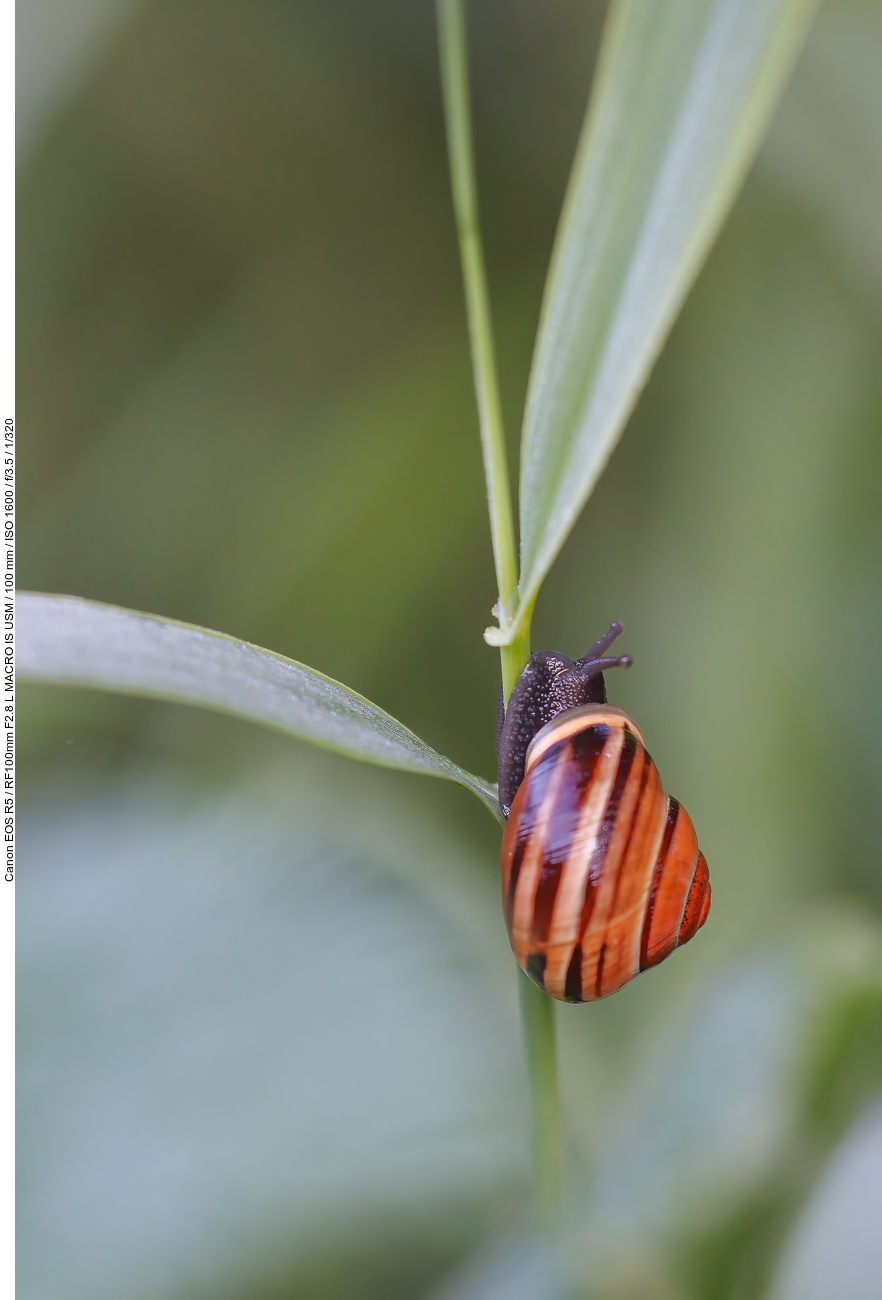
(601, 872)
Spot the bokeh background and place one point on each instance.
(269, 1040)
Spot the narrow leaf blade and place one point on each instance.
(683, 93)
(75, 642)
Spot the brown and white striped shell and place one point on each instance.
(601, 872)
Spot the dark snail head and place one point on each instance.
(550, 684)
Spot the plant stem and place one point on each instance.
(537, 1009)
(457, 111)
(540, 1040)
(514, 658)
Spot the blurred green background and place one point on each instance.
(269, 1041)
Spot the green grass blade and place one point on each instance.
(74, 642)
(453, 46)
(457, 110)
(683, 93)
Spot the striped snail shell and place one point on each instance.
(601, 872)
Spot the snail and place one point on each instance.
(601, 872)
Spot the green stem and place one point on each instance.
(457, 110)
(515, 656)
(537, 1010)
(540, 1040)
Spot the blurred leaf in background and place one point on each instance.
(245, 391)
(737, 1093)
(258, 1027)
(835, 1248)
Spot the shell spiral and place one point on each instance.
(601, 872)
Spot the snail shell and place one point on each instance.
(601, 872)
